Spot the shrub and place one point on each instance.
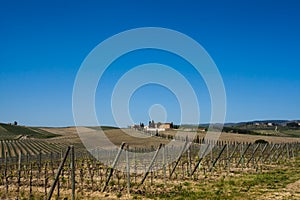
(261, 141)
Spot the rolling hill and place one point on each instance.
(8, 131)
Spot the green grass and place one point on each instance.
(284, 132)
(268, 131)
(291, 133)
(14, 132)
(245, 186)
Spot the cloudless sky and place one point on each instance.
(255, 45)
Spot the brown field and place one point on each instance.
(117, 136)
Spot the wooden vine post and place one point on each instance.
(58, 173)
(73, 171)
(111, 169)
(151, 163)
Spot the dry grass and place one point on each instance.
(69, 136)
(246, 137)
(116, 136)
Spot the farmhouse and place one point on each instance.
(154, 126)
(165, 125)
(158, 126)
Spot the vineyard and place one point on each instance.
(37, 169)
(27, 147)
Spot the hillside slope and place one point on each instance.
(8, 131)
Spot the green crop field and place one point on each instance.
(8, 131)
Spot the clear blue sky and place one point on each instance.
(255, 45)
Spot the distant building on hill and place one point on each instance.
(154, 126)
(165, 125)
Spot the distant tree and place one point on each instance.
(151, 124)
(292, 124)
(176, 126)
(171, 125)
(261, 141)
(158, 124)
(15, 123)
(142, 125)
